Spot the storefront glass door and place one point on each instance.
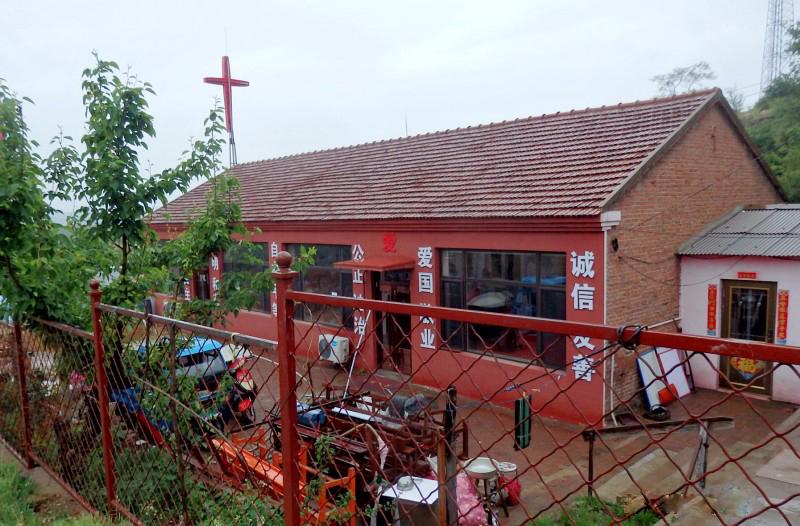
(748, 313)
(393, 330)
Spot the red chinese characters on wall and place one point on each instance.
(390, 243)
(711, 323)
(782, 317)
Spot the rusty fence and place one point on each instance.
(370, 412)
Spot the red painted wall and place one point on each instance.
(485, 378)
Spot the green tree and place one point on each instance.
(683, 79)
(774, 122)
(214, 231)
(107, 177)
(41, 272)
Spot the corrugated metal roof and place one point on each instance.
(755, 232)
(564, 164)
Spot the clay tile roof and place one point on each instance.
(563, 164)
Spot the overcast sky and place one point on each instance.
(334, 73)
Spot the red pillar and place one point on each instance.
(101, 382)
(288, 398)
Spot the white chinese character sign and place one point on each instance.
(187, 290)
(425, 257)
(584, 289)
(582, 296)
(583, 342)
(582, 264)
(358, 253)
(425, 282)
(583, 367)
(273, 249)
(215, 263)
(274, 309)
(361, 325)
(428, 338)
(427, 334)
(358, 275)
(215, 285)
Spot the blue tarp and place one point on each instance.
(198, 345)
(193, 346)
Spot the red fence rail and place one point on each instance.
(166, 422)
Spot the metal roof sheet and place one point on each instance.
(757, 232)
(744, 221)
(558, 165)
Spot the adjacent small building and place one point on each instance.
(576, 215)
(740, 279)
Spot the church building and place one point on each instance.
(576, 215)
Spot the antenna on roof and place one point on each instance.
(406, 119)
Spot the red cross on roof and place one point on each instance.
(227, 82)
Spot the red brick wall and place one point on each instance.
(703, 176)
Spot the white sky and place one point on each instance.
(334, 73)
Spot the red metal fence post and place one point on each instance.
(22, 382)
(288, 398)
(102, 394)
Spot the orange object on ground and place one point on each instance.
(242, 464)
(668, 394)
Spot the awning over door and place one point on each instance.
(378, 263)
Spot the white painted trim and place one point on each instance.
(610, 219)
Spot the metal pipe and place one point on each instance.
(69, 329)
(355, 354)
(764, 351)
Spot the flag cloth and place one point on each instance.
(522, 422)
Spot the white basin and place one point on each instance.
(481, 468)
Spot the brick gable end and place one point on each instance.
(706, 173)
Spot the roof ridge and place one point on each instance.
(504, 122)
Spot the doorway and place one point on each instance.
(748, 313)
(393, 330)
(202, 289)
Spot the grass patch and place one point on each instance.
(15, 506)
(591, 511)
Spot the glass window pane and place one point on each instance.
(749, 313)
(452, 263)
(452, 335)
(324, 278)
(509, 283)
(529, 269)
(554, 304)
(451, 296)
(485, 265)
(248, 259)
(452, 331)
(554, 269)
(554, 350)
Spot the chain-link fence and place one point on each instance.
(497, 419)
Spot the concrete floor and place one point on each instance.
(554, 467)
(627, 465)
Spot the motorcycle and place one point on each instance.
(240, 401)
